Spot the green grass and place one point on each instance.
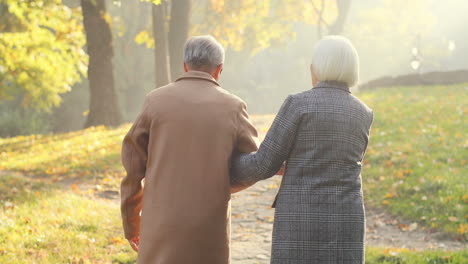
(93, 153)
(416, 163)
(16, 189)
(403, 256)
(41, 224)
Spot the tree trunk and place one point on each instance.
(130, 77)
(178, 34)
(320, 19)
(104, 107)
(343, 10)
(160, 42)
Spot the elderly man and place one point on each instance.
(181, 145)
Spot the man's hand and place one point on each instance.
(240, 187)
(134, 242)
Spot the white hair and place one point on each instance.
(203, 51)
(336, 59)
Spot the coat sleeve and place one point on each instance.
(274, 150)
(134, 156)
(247, 141)
(368, 133)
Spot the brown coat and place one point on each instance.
(181, 145)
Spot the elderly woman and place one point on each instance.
(322, 134)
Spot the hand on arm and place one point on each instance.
(273, 151)
(281, 170)
(247, 142)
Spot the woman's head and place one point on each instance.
(335, 59)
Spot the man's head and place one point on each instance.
(335, 59)
(204, 53)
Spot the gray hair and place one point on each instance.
(336, 59)
(203, 52)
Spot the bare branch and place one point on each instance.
(320, 12)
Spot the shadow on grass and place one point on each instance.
(22, 144)
(16, 189)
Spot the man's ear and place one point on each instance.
(186, 69)
(218, 71)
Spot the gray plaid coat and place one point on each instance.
(322, 134)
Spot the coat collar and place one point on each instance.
(197, 75)
(333, 85)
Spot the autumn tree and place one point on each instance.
(41, 53)
(104, 107)
(256, 25)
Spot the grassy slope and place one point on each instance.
(40, 223)
(414, 167)
(416, 162)
(89, 153)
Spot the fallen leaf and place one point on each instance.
(465, 198)
(413, 226)
(9, 205)
(117, 240)
(462, 229)
(403, 227)
(75, 188)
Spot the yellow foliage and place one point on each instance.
(75, 188)
(144, 37)
(106, 16)
(117, 240)
(217, 5)
(465, 198)
(395, 251)
(463, 229)
(256, 24)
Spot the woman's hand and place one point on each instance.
(281, 170)
(135, 243)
